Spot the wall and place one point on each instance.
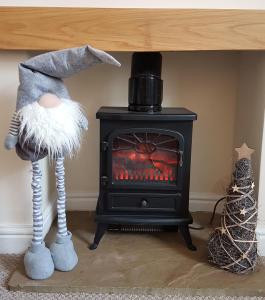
(260, 231)
(15, 174)
(203, 82)
(213, 88)
(249, 124)
(232, 4)
(251, 104)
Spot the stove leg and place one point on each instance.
(101, 228)
(185, 232)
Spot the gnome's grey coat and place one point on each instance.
(43, 74)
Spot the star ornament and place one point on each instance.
(243, 256)
(222, 229)
(235, 188)
(243, 211)
(252, 185)
(244, 152)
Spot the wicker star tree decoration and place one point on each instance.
(233, 246)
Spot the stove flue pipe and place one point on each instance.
(145, 84)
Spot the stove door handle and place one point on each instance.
(144, 203)
(104, 146)
(180, 158)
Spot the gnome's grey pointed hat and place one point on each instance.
(43, 73)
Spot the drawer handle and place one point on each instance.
(144, 203)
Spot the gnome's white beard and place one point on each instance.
(55, 129)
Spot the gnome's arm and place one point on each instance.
(83, 122)
(12, 137)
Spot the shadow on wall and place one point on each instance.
(100, 85)
(251, 105)
(15, 174)
(206, 83)
(203, 82)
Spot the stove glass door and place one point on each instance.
(146, 157)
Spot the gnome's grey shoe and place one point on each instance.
(63, 253)
(38, 262)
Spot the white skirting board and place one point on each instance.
(198, 202)
(88, 201)
(16, 238)
(260, 234)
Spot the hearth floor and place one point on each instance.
(140, 263)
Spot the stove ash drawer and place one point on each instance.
(144, 202)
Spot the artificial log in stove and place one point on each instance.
(145, 154)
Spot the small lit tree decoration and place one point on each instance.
(233, 245)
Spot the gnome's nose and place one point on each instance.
(49, 100)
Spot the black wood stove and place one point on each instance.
(145, 154)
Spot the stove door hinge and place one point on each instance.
(104, 146)
(104, 180)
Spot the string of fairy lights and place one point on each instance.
(233, 245)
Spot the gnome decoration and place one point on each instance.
(233, 246)
(47, 122)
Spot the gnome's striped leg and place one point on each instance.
(37, 198)
(62, 250)
(37, 260)
(61, 200)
